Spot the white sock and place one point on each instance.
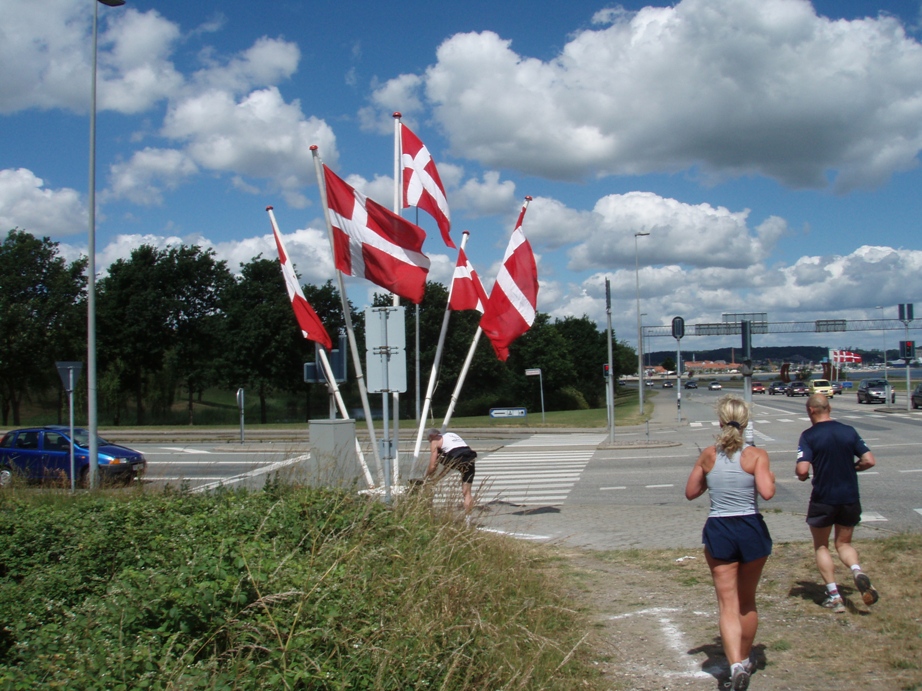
(856, 568)
(832, 588)
(735, 666)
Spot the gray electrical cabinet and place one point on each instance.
(333, 460)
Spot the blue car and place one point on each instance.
(42, 453)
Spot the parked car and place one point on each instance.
(797, 388)
(821, 386)
(39, 453)
(714, 386)
(691, 384)
(668, 384)
(917, 397)
(776, 387)
(874, 391)
(758, 387)
(837, 388)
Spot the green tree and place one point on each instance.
(196, 285)
(543, 346)
(134, 324)
(588, 353)
(41, 319)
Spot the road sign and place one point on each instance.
(534, 372)
(508, 412)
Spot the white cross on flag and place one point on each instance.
(845, 356)
(513, 302)
(422, 185)
(310, 323)
(467, 291)
(371, 242)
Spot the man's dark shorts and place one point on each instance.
(737, 538)
(825, 515)
(462, 460)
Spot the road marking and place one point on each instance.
(208, 463)
(871, 517)
(658, 486)
(608, 489)
(520, 536)
(695, 424)
(674, 639)
(914, 470)
(183, 449)
(918, 511)
(870, 472)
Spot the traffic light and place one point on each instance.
(907, 349)
(605, 371)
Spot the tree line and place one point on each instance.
(174, 323)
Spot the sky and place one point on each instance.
(770, 149)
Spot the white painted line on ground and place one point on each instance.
(870, 472)
(871, 517)
(182, 478)
(520, 536)
(914, 470)
(207, 463)
(918, 511)
(183, 449)
(607, 489)
(674, 639)
(658, 486)
(784, 419)
(695, 424)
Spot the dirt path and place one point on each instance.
(656, 618)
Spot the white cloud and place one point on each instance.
(46, 57)
(27, 204)
(141, 178)
(725, 87)
(267, 62)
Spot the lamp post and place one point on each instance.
(640, 382)
(883, 343)
(91, 266)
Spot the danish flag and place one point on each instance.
(311, 326)
(513, 302)
(467, 291)
(372, 242)
(845, 356)
(422, 185)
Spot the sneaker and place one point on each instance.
(739, 679)
(835, 603)
(750, 665)
(868, 593)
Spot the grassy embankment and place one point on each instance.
(287, 588)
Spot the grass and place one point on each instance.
(287, 588)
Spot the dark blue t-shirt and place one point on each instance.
(832, 448)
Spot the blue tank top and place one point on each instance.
(732, 489)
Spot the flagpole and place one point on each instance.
(398, 202)
(461, 377)
(331, 378)
(433, 374)
(347, 316)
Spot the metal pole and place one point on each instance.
(610, 384)
(883, 344)
(541, 382)
(909, 357)
(70, 400)
(640, 382)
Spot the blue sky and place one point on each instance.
(770, 149)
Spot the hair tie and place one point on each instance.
(734, 423)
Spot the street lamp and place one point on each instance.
(883, 342)
(91, 266)
(640, 382)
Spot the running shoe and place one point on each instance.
(739, 679)
(835, 603)
(868, 593)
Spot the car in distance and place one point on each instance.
(758, 387)
(776, 387)
(691, 384)
(821, 386)
(837, 388)
(648, 382)
(797, 388)
(41, 453)
(714, 386)
(874, 391)
(917, 397)
(668, 384)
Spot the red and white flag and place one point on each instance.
(310, 323)
(513, 302)
(372, 242)
(422, 185)
(467, 291)
(845, 356)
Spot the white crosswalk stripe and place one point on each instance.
(540, 470)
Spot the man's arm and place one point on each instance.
(866, 461)
(434, 449)
(803, 470)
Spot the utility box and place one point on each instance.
(333, 460)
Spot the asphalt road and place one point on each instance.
(581, 484)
